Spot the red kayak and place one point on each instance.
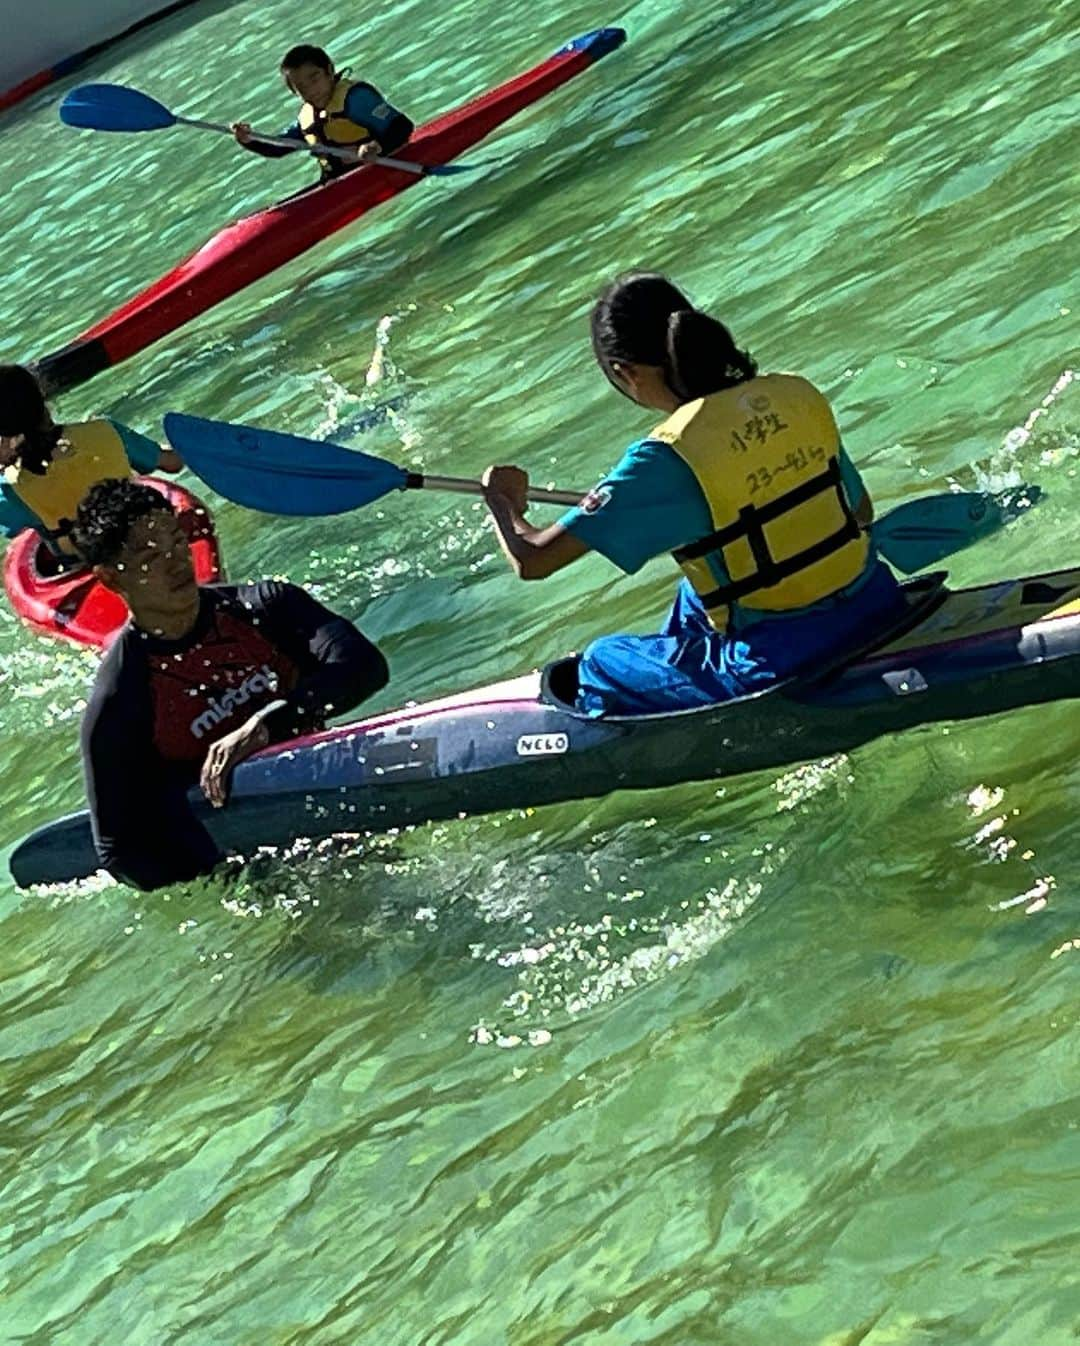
(71, 603)
(251, 248)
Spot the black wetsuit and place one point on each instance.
(158, 705)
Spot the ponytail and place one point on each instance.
(642, 318)
(701, 356)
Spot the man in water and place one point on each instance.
(198, 680)
(335, 111)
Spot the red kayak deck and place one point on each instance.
(72, 604)
(253, 247)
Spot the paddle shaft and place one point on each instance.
(287, 143)
(464, 486)
(288, 474)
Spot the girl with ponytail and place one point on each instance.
(47, 468)
(746, 483)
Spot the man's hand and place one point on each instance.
(368, 150)
(225, 754)
(512, 483)
(243, 132)
(169, 460)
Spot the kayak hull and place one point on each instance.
(72, 605)
(251, 248)
(517, 743)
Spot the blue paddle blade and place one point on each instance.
(449, 170)
(112, 107)
(924, 531)
(278, 473)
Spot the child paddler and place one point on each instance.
(48, 468)
(336, 110)
(746, 483)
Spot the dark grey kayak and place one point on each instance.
(518, 743)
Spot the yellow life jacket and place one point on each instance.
(330, 126)
(85, 455)
(766, 455)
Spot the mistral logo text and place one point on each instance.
(542, 745)
(265, 680)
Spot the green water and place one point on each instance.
(789, 1061)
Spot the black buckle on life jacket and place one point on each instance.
(751, 527)
(52, 537)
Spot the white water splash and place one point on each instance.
(994, 837)
(349, 413)
(572, 968)
(381, 364)
(1003, 470)
(804, 782)
(1019, 435)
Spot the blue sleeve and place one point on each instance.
(142, 452)
(854, 486)
(14, 515)
(367, 107)
(649, 504)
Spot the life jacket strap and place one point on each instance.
(52, 537)
(750, 526)
(320, 126)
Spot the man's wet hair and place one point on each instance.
(108, 513)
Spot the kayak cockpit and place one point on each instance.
(923, 596)
(48, 566)
(559, 684)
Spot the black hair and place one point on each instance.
(305, 54)
(107, 514)
(22, 411)
(641, 318)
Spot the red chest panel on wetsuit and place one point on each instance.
(207, 691)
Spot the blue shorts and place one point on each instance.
(692, 664)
